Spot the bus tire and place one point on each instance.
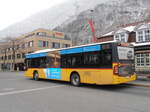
(75, 79)
(35, 76)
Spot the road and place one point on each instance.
(20, 94)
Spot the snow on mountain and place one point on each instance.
(107, 17)
(72, 18)
(51, 17)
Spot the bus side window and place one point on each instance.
(92, 60)
(28, 63)
(42, 63)
(76, 60)
(63, 61)
(68, 62)
(106, 56)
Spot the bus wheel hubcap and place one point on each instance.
(75, 80)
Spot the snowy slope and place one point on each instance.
(71, 16)
(50, 18)
(107, 17)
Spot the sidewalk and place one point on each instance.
(141, 81)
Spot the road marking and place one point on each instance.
(29, 90)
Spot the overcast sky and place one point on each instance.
(12, 11)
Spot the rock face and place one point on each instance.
(50, 18)
(72, 18)
(106, 16)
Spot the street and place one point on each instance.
(21, 94)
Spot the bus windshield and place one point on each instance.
(125, 53)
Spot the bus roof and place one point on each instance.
(78, 49)
(48, 50)
(45, 50)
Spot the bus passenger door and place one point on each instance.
(63, 65)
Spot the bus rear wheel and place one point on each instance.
(75, 79)
(36, 76)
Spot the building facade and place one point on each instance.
(12, 52)
(137, 34)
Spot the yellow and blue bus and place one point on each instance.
(104, 63)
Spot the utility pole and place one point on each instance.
(4, 51)
(13, 56)
(4, 64)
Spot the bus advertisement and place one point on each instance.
(105, 63)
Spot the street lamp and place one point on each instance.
(91, 23)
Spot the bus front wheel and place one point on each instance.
(75, 79)
(36, 76)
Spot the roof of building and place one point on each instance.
(130, 28)
(32, 33)
(127, 27)
(107, 34)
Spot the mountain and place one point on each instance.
(50, 18)
(107, 17)
(72, 18)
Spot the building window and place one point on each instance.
(9, 57)
(30, 44)
(140, 59)
(5, 57)
(143, 59)
(2, 58)
(43, 43)
(140, 36)
(122, 37)
(117, 37)
(147, 59)
(13, 57)
(147, 35)
(55, 45)
(40, 43)
(18, 56)
(143, 35)
(23, 55)
(41, 33)
(65, 45)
